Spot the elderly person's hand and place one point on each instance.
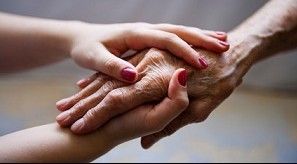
(99, 47)
(150, 118)
(104, 98)
(252, 41)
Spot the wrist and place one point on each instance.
(245, 51)
(68, 33)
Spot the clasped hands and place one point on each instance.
(159, 101)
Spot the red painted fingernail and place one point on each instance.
(224, 43)
(183, 77)
(220, 33)
(203, 63)
(128, 74)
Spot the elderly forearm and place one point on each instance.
(270, 30)
(50, 143)
(274, 26)
(28, 42)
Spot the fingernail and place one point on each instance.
(128, 74)
(81, 81)
(62, 116)
(61, 104)
(224, 43)
(63, 119)
(220, 33)
(182, 78)
(77, 126)
(203, 63)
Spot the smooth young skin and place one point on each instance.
(271, 30)
(50, 143)
(29, 42)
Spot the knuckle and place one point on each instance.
(116, 96)
(154, 55)
(77, 108)
(108, 86)
(76, 97)
(90, 116)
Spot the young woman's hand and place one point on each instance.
(99, 47)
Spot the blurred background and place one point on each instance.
(257, 123)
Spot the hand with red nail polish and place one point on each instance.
(99, 47)
(149, 118)
(102, 98)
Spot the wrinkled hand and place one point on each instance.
(105, 98)
(150, 118)
(99, 47)
(102, 98)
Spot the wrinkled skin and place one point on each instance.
(103, 98)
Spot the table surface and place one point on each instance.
(250, 126)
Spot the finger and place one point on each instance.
(198, 111)
(114, 103)
(196, 37)
(140, 39)
(176, 102)
(216, 34)
(111, 65)
(67, 103)
(148, 119)
(86, 81)
(68, 117)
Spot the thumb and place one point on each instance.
(173, 105)
(113, 66)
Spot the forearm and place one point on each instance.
(50, 143)
(270, 30)
(29, 42)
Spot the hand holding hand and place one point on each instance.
(99, 47)
(150, 118)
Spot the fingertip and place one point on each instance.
(147, 142)
(202, 63)
(219, 46)
(78, 127)
(63, 119)
(129, 74)
(178, 82)
(182, 77)
(220, 35)
(224, 45)
(81, 83)
(62, 105)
